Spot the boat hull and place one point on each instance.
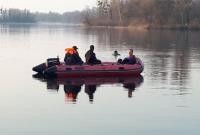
(105, 69)
(101, 70)
(98, 73)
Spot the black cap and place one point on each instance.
(75, 47)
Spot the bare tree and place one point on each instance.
(155, 13)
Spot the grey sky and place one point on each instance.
(48, 5)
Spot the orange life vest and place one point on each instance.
(70, 51)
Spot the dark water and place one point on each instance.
(163, 100)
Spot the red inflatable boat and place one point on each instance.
(104, 69)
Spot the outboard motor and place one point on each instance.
(53, 62)
(50, 63)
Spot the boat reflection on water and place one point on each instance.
(72, 86)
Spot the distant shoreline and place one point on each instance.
(145, 27)
(65, 23)
(132, 27)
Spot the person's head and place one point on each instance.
(75, 47)
(130, 52)
(92, 47)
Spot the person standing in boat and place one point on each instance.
(72, 56)
(131, 59)
(90, 56)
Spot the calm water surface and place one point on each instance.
(163, 100)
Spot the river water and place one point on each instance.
(163, 100)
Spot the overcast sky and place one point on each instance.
(48, 5)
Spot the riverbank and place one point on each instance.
(175, 27)
(130, 27)
(149, 27)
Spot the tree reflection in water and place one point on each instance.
(73, 86)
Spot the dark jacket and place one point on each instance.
(73, 59)
(90, 58)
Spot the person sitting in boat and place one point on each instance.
(90, 56)
(72, 56)
(128, 60)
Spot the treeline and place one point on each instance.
(67, 17)
(25, 16)
(182, 14)
(16, 15)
